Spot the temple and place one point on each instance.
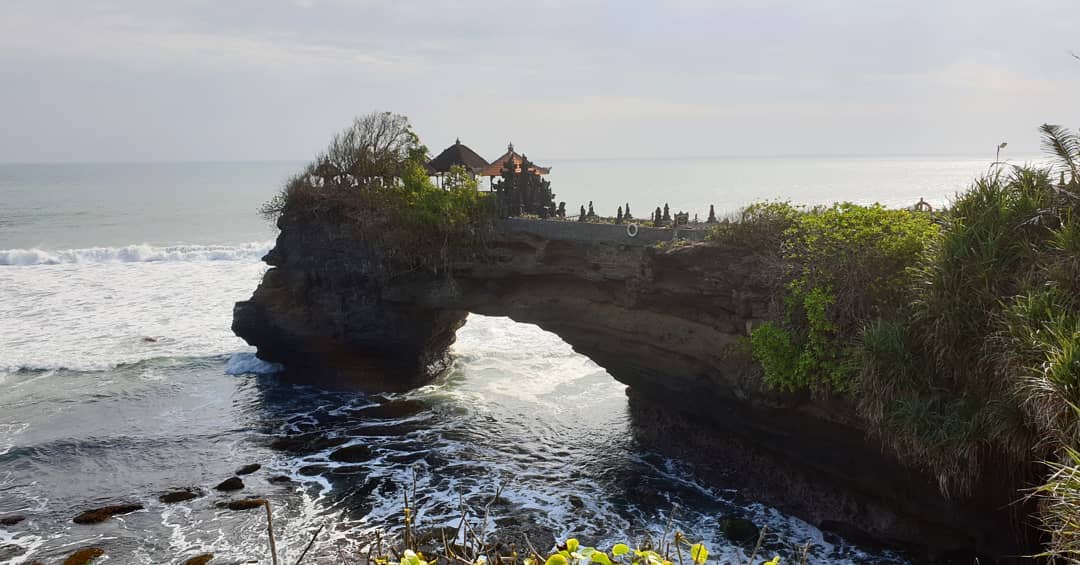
(457, 155)
(495, 169)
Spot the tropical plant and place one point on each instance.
(1065, 145)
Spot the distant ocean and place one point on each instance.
(120, 378)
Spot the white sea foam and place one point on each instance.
(248, 363)
(93, 315)
(140, 253)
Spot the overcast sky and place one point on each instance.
(94, 80)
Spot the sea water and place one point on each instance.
(121, 380)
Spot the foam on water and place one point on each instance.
(94, 315)
(248, 364)
(141, 253)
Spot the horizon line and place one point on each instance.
(1021, 155)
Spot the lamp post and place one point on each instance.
(997, 156)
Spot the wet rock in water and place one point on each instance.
(9, 551)
(306, 443)
(246, 504)
(280, 480)
(99, 515)
(576, 501)
(199, 559)
(348, 470)
(11, 520)
(352, 454)
(312, 470)
(432, 541)
(248, 469)
(739, 530)
(178, 496)
(230, 484)
(84, 556)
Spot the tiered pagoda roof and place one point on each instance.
(496, 167)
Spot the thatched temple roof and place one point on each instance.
(457, 154)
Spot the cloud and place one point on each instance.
(578, 78)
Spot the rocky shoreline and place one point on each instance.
(670, 323)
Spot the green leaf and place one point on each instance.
(556, 560)
(572, 544)
(601, 558)
(620, 549)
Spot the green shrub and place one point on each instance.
(840, 267)
(978, 371)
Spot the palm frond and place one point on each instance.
(1064, 144)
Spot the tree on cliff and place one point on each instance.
(619, 216)
(372, 180)
(375, 148)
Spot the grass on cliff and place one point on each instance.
(980, 370)
(371, 185)
(956, 334)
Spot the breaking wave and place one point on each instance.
(141, 253)
(249, 364)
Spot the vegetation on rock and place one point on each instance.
(956, 334)
(373, 179)
(835, 268)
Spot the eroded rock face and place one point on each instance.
(669, 323)
(332, 304)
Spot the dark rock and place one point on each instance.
(99, 515)
(348, 470)
(352, 454)
(230, 484)
(9, 551)
(576, 502)
(306, 443)
(312, 470)
(84, 556)
(178, 496)
(245, 504)
(739, 530)
(280, 480)
(248, 469)
(199, 559)
(11, 520)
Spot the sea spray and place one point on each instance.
(136, 253)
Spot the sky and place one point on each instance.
(194, 80)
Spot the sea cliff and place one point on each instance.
(669, 321)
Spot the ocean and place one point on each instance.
(121, 380)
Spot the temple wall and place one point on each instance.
(594, 233)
